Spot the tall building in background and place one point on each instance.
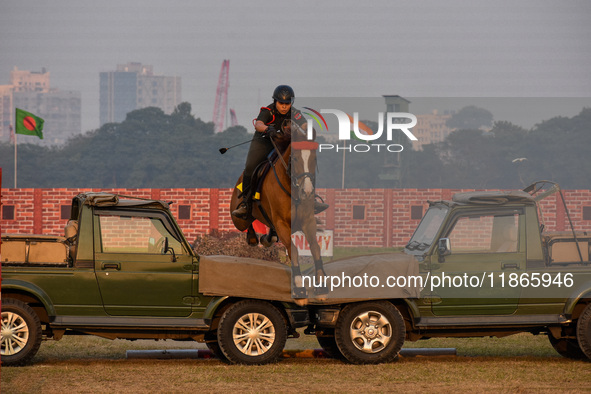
(431, 128)
(6, 111)
(31, 91)
(30, 81)
(133, 86)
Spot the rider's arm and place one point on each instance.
(260, 126)
(263, 120)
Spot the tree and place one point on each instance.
(153, 149)
(470, 117)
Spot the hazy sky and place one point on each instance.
(322, 48)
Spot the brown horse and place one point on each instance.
(287, 205)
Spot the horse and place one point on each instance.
(286, 205)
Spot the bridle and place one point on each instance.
(299, 179)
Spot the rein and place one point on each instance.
(294, 180)
(280, 154)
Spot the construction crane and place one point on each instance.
(233, 118)
(221, 98)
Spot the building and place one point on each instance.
(134, 86)
(431, 128)
(30, 81)
(6, 111)
(31, 91)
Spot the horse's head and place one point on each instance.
(303, 169)
(283, 137)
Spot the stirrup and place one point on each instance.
(320, 207)
(242, 211)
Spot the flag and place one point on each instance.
(28, 124)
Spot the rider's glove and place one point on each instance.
(271, 132)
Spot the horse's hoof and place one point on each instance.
(266, 242)
(252, 241)
(301, 301)
(299, 293)
(321, 293)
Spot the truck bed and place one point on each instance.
(562, 248)
(34, 250)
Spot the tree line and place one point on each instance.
(151, 149)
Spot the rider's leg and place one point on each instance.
(244, 208)
(260, 147)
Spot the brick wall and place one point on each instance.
(359, 217)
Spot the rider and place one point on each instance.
(267, 125)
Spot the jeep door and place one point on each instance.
(484, 246)
(136, 276)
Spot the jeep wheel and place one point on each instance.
(211, 341)
(370, 333)
(329, 344)
(567, 347)
(252, 332)
(584, 331)
(21, 333)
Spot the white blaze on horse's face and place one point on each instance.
(308, 186)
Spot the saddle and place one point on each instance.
(259, 175)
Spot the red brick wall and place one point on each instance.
(576, 200)
(387, 220)
(120, 233)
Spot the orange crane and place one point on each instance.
(233, 118)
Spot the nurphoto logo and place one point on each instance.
(350, 127)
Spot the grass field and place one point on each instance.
(523, 363)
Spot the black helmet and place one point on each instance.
(284, 94)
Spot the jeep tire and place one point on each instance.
(252, 332)
(584, 331)
(567, 347)
(328, 343)
(370, 332)
(21, 333)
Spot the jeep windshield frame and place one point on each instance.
(427, 230)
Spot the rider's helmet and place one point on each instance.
(284, 94)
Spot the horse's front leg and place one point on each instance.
(309, 229)
(284, 233)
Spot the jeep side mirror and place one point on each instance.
(444, 247)
(169, 249)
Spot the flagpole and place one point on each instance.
(343, 177)
(15, 160)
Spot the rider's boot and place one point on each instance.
(243, 210)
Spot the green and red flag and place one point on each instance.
(28, 124)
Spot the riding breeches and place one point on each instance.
(260, 147)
